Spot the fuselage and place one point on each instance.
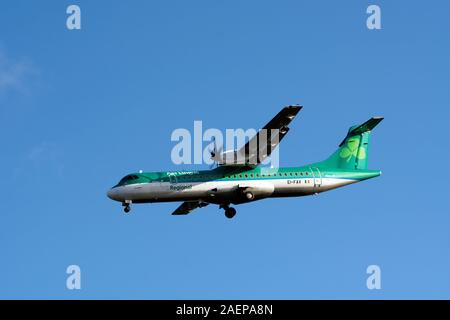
(226, 185)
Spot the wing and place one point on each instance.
(187, 206)
(257, 149)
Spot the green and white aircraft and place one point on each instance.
(237, 183)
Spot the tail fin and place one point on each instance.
(353, 151)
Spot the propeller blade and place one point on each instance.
(213, 151)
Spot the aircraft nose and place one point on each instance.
(112, 194)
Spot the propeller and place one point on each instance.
(214, 152)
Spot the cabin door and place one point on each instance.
(317, 177)
(173, 179)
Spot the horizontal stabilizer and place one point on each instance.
(365, 127)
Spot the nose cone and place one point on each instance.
(113, 194)
(110, 194)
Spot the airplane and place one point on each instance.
(234, 183)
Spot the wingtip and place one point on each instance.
(294, 107)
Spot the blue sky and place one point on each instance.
(82, 108)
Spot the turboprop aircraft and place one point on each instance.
(240, 178)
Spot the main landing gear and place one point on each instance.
(126, 206)
(229, 211)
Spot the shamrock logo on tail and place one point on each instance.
(351, 149)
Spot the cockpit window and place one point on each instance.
(128, 178)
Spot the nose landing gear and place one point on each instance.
(126, 206)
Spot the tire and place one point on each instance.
(230, 213)
(127, 209)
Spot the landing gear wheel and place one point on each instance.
(126, 206)
(230, 212)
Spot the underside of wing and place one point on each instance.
(257, 149)
(187, 206)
